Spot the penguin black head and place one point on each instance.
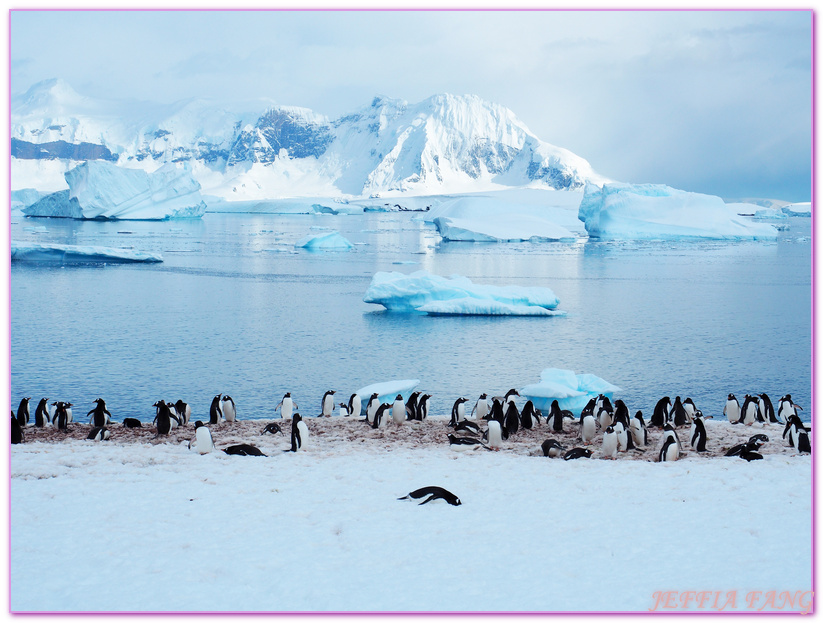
(483, 396)
(759, 439)
(731, 397)
(512, 392)
(610, 429)
(99, 400)
(287, 395)
(198, 424)
(398, 397)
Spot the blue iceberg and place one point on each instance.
(67, 254)
(327, 241)
(572, 391)
(387, 391)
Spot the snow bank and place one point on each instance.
(327, 241)
(399, 292)
(572, 391)
(654, 211)
(387, 391)
(65, 253)
(101, 189)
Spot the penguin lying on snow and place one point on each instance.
(99, 433)
(132, 422)
(465, 443)
(753, 444)
(434, 493)
(552, 448)
(244, 449)
(577, 453)
(272, 428)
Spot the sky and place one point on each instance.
(707, 101)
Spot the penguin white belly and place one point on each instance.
(229, 412)
(328, 406)
(610, 446)
(750, 416)
(732, 411)
(371, 410)
(637, 433)
(398, 412)
(588, 430)
(495, 435)
(605, 419)
(482, 409)
(622, 440)
(203, 440)
(68, 415)
(461, 412)
(304, 435)
(355, 406)
(287, 408)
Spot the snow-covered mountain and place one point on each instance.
(260, 150)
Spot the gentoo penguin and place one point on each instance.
(669, 451)
(786, 408)
(23, 412)
(381, 415)
(577, 453)
(245, 449)
(690, 408)
(184, 411)
(41, 413)
(698, 436)
(793, 424)
(411, 406)
(494, 435)
(131, 422)
(174, 419)
(530, 417)
(100, 416)
(286, 406)
(552, 448)
(732, 409)
(203, 441)
(163, 418)
(660, 415)
(497, 413)
(605, 412)
(678, 414)
(215, 412)
(272, 428)
(371, 408)
(555, 418)
(748, 412)
(228, 408)
(481, 408)
(623, 439)
(639, 433)
(398, 410)
(16, 430)
(509, 397)
(99, 433)
(61, 416)
(609, 449)
(423, 407)
(465, 443)
(354, 405)
(621, 413)
(588, 409)
(754, 443)
(299, 433)
(434, 493)
(327, 404)
(458, 411)
(512, 418)
(749, 454)
(802, 442)
(588, 427)
(767, 410)
(467, 426)
(669, 432)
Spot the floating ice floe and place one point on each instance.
(572, 391)
(798, 209)
(656, 211)
(770, 213)
(66, 253)
(387, 391)
(328, 241)
(424, 292)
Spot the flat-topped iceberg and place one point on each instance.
(468, 306)
(407, 293)
(102, 190)
(387, 391)
(656, 211)
(572, 391)
(327, 241)
(66, 254)
(798, 209)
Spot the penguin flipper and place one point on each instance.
(428, 499)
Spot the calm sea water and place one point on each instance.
(235, 309)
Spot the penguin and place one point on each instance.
(286, 406)
(803, 444)
(623, 438)
(465, 443)
(423, 407)
(61, 416)
(215, 413)
(732, 409)
(354, 404)
(509, 397)
(577, 453)
(411, 406)
(272, 428)
(530, 417)
(41, 413)
(753, 444)
(678, 413)
(99, 433)
(749, 454)
(512, 419)
(759, 439)
(767, 410)
(609, 449)
(299, 433)
(371, 408)
(604, 412)
(691, 410)
(660, 415)
(494, 435)
(245, 449)
(698, 436)
(481, 408)
(793, 424)
(467, 426)
(434, 493)
(669, 432)
(621, 413)
(496, 412)
(228, 408)
(380, 415)
(398, 410)
(588, 409)
(552, 448)
(203, 441)
(555, 418)
(174, 419)
(638, 430)
(458, 411)
(131, 422)
(669, 451)
(23, 412)
(786, 408)
(16, 430)
(163, 418)
(67, 407)
(748, 412)
(327, 403)
(184, 411)
(100, 416)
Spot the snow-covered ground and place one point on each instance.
(143, 524)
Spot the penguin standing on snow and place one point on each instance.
(621, 413)
(748, 412)
(458, 411)
(638, 430)
(100, 416)
(371, 408)
(732, 409)
(512, 419)
(215, 412)
(41, 413)
(203, 441)
(183, 412)
(678, 413)
(698, 436)
(691, 410)
(669, 451)
(23, 412)
(609, 449)
(624, 442)
(354, 405)
(481, 407)
(411, 406)
(61, 416)
(398, 410)
(670, 433)
(529, 416)
(163, 418)
(16, 430)
(767, 410)
(660, 415)
(494, 435)
(381, 415)
(786, 408)
(588, 427)
(605, 413)
(299, 433)
(423, 407)
(327, 404)
(555, 417)
(286, 406)
(228, 408)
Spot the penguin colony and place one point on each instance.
(602, 430)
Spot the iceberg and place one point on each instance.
(770, 213)
(655, 211)
(572, 391)
(327, 241)
(406, 293)
(100, 189)
(468, 306)
(387, 391)
(55, 205)
(67, 254)
(798, 209)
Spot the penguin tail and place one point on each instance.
(405, 497)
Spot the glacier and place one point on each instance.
(656, 211)
(327, 241)
(386, 391)
(69, 254)
(413, 292)
(572, 391)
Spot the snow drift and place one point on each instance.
(572, 391)
(656, 211)
(65, 253)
